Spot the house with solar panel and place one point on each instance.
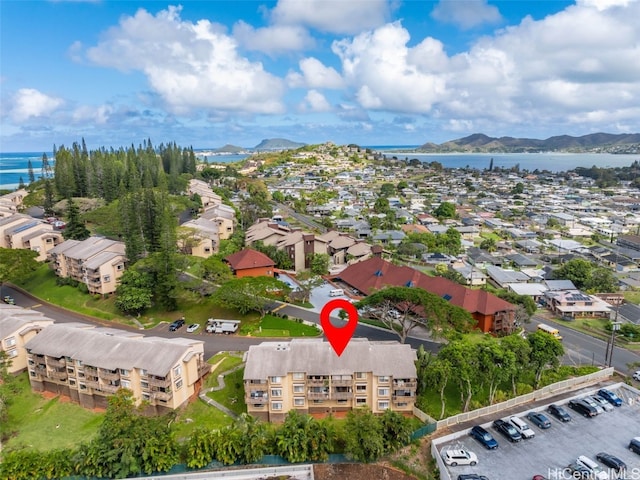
(21, 231)
(97, 262)
(570, 304)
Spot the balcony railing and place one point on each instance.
(256, 383)
(336, 383)
(318, 395)
(161, 395)
(317, 382)
(401, 398)
(110, 388)
(54, 362)
(255, 400)
(58, 374)
(109, 375)
(402, 384)
(159, 382)
(341, 395)
(92, 384)
(91, 371)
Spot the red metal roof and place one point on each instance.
(248, 258)
(376, 273)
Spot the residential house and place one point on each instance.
(17, 326)
(89, 364)
(306, 375)
(300, 247)
(24, 232)
(205, 240)
(492, 313)
(97, 262)
(343, 248)
(573, 303)
(250, 263)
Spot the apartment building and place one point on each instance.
(306, 375)
(89, 364)
(97, 262)
(21, 231)
(17, 326)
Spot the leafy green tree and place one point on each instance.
(302, 438)
(307, 281)
(135, 291)
(546, 351)
(445, 210)
(16, 264)
(577, 270)
(381, 205)
(200, 448)
(496, 365)
(402, 184)
(525, 301)
(437, 375)
(75, 229)
(228, 444)
(387, 189)
(489, 244)
(364, 434)
(250, 293)
(215, 270)
(518, 189)
(396, 430)
(319, 263)
(254, 438)
(602, 280)
(521, 349)
(461, 355)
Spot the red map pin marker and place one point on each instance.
(339, 337)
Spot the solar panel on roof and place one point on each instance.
(25, 227)
(447, 297)
(378, 273)
(409, 284)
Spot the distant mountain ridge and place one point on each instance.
(595, 142)
(266, 144)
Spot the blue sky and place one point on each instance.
(372, 72)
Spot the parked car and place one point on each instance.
(522, 427)
(484, 437)
(540, 420)
(193, 327)
(596, 472)
(508, 430)
(606, 406)
(176, 325)
(611, 461)
(459, 456)
(539, 477)
(583, 408)
(636, 375)
(594, 404)
(576, 470)
(634, 445)
(610, 397)
(559, 412)
(9, 300)
(471, 476)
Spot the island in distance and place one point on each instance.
(268, 144)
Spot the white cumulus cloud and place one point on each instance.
(190, 65)
(273, 39)
(466, 13)
(335, 16)
(314, 74)
(314, 101)
(29, 102)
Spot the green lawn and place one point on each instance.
(272, 326)
(632, 296)
(232, 395)
(43, 424)
(199, 414)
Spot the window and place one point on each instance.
(361, 401)
(361, 375)
(298, 402)
(12, 353)
(144, 385)
(298, 389)
(119, 267)
(276, 405)
(207, 249)
(276, 392)
(32, 373)
(275, 379)
(10, 342)
(106, 278)
(383, 405)
(70, 370)
(125, 383)
(177, 371)
(298, 375)
(124, 372)
(49, 240)
(178, 384)
(72, 382)
(383, 392)
(143, 372)
(383, 379)
(82, 386)
(361, 388)
(79, 363)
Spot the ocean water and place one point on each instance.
(14, 165)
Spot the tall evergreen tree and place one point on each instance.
(47, 203)
(32, 177)
(75, 229)
(21, 183)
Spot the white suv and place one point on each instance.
(522, 427)
(594, 468)
(459, 457)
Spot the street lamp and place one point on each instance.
(615, 326)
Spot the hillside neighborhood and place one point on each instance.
(497, 245)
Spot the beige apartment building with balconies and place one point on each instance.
(17, 326)
(89, 364)
(96, 262)
(20, 231)
(306, 375)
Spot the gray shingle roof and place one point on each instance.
(110, 348)
(316, 357)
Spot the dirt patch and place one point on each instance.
(358, 472)
(65, 399)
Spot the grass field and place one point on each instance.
(232, 395)
(272, 326)
(42, 424)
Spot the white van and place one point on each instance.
(595, 469)
(336, 292)
(522, 427)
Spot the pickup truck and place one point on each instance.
(222, 326)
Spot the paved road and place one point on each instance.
(583, 349)
(304, 219)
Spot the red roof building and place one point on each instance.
(250, 263)
(491, 312)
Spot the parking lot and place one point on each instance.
(552, 449)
